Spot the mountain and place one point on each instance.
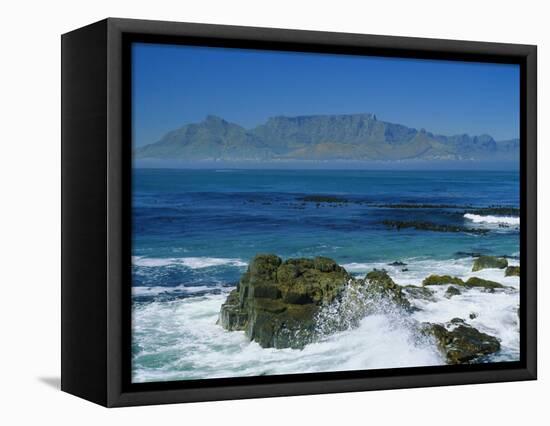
(321, 137)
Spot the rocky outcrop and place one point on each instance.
(461, 343)
(471, 282)
(379, 285)
(415, 292)
(376, 293)
(442, 280)
(288, 304)
(276, 302)
(452, 291)
(479, 282)
(487, 262)
(512, 271)
(284, 304)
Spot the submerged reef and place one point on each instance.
(429, 226)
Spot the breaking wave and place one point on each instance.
(179, 339)
(504, 220)
(190, 262)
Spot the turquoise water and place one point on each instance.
(194, 232)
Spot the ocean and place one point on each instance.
(194, 232)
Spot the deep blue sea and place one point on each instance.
(194, 232)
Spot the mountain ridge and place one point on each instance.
(321, 137)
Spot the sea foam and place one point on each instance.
(190, 262)
(505, 220)
(184, 334)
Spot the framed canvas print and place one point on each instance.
(253, 212)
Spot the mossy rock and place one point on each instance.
(512, 271)
(452, 291)
(480, 282)
(461, 343)
(303, 281)
(442, 280)
(275, 302)
(263, 268)
(489, 262)
(380, 285)
(325, 264)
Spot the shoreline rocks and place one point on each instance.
(489, 262)
(415, 292)
(289, 304)
(480, 282)
(455, 281)
(275, 302)
(512, 271)
(380, 285)
(452, 291)
(441, 280)
(460, 343)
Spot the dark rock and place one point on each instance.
(442, 280)
(512, 271)
(473, 315)
(479, 282)
(495, 210)
(380, 285)
(232, 317)
(461, 343)
(452, 291)
(415, 292)
(486, 262)
(397, 263)
(276, 302)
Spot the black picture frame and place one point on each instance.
(96, 178)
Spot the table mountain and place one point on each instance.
(322, 137)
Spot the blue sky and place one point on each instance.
(177, 85)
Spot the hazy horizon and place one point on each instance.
(334, 165)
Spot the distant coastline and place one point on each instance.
(409, 165)
(347, 137)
